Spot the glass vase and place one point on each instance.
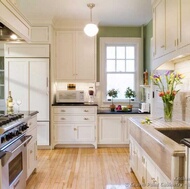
(168, 111)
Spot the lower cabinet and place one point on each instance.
(74, 125)
(42, 133)
(32, 146)
(112, 129)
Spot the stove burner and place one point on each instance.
(4, 119)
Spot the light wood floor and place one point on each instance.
(82, 168)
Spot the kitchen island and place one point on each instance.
(156, 159)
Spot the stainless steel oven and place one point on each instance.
(13, 152)
(14, 164)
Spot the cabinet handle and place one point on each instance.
(47, 82)
(162, 46)
(75, 129)
(85, 110)
(31, 151)
(30, 124)
(85, 118)
(62, 110)
(62, 118)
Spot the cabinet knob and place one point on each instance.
(75, 129)
(31, 151)
(85, 110)
(85, 118)
(162, 46)
(62, 118)
(62, 110)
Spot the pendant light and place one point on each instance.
(91, 29)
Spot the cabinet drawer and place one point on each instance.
(66, 118)
(74, 110)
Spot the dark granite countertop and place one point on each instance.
(26, 113)
(74, 104)
(119, 112)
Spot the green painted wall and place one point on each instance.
(148, 33)
(114, 32)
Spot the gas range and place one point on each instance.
(12, 127)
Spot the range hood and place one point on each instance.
(5, 34)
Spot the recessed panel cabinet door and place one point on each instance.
(16, 81)
(39, 87)
(184, 20)
(85, 57)
(65, 55)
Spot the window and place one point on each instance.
(120, 65)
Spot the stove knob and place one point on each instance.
(24, 127)
(7, 137)
(18, 132)
(3, 139)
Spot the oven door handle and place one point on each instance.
(5, 159)
(26, 141)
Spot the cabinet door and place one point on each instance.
(39, 87)
(65, 55)
(184, 20)
(85, 57)
(64, 133)
(159, 28)
(16, 81)
(110, 130)
(171, 25)
(43, 133)
(31, 157)
(84, 132)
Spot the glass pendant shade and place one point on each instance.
(91, 29)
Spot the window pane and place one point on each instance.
(130, 52)
(130, 65)
(120, 82)
(120, 52)
(110, 53)
(120, 66)
(110, 65)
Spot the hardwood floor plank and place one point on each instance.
(82, 168)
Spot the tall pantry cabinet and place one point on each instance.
(27, 77)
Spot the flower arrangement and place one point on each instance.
(168, 90)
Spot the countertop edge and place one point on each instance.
(173, 147)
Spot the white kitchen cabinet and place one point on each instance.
(27, 79)
(74, 125)
(75, 56)
(32, 146)
(159, 28)
(110, 129)
(165, 27)
(184, 20)
(43, 133)
(171, 23)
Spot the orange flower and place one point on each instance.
(174, 93)
(161, 94)
(167, 92)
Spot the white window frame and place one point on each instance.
(104, 42)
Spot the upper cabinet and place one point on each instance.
(171, 23)
(13, 19)
(75, 56)
(41, 34)
(184, 20)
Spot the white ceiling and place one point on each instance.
(105, 12)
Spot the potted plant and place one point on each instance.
(113, 94)
(129, 93)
